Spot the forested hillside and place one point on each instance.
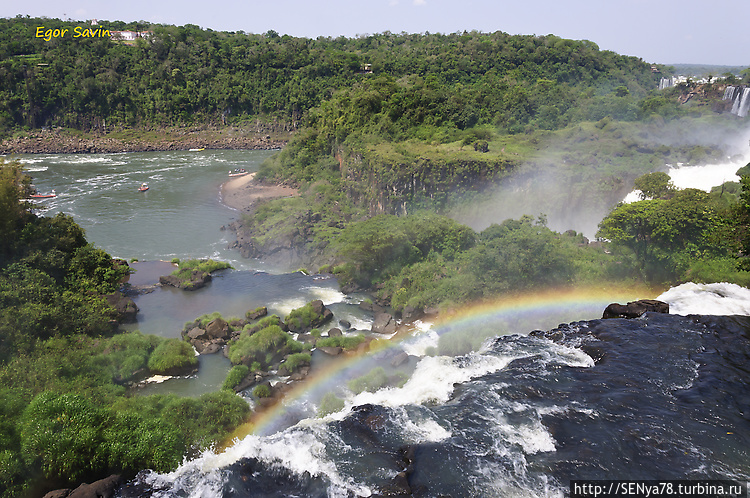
(187, 74)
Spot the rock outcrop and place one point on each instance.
(196, 280)
(312, 315)
(124, 306)
(103, 488)
(384, 323)
(634, 309)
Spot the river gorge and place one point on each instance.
(661, 397)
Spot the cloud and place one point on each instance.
(420, 2)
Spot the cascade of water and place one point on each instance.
(666, 83)
(737, 102)
(728, 93)
(744, 103)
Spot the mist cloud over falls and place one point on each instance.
(581, 173)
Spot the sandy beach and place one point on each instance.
(240, 193)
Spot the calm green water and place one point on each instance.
(179, 216)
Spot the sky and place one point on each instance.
(657, 31)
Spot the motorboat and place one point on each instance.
(143, 187)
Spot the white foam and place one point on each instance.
(424, 431)
(286, 306)
(434, 379)
(423, 339)
(328, 295)
(299, 451)
(707, 299)
(703, 177)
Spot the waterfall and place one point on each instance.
(666, 83)
(744, 101)
(729, 93)
(740, 97)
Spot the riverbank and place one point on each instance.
(63, 141)
(240, 193)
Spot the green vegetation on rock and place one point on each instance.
(235, 376)
(171, 357)
(266, 346)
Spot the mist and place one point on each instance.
(580, 174)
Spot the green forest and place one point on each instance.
(393, 135)
(187, 74)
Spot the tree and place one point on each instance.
(14, 188)
(663, 233)
(655, 186)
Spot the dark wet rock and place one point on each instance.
(346, 324)
(212, 348)
(331, 351)
(399, 359)
(237, 325)
(384, 323)
(634, 309)
(301, 374)
(197, 333)
(217, 328)
(410, 313)
(58, 493)
(124, 306)
(335, 332)
(103, 488)
(307, 339)
(368, 306)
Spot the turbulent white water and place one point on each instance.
(708, 299)
(701, 177)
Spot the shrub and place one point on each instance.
(235, 376)
(345, 342)
(296, 360)
(172, 356)
(262, 391)
(62, 434)
(263, 347)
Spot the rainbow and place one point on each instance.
(537, 310)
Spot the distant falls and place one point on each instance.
(740, 97)
(666, 83)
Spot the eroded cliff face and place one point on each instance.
(425, 183)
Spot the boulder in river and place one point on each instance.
(384, 323)
(634, 309)
(196, 280)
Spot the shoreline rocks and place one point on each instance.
(72, 142)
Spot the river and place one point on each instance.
(521, 415)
